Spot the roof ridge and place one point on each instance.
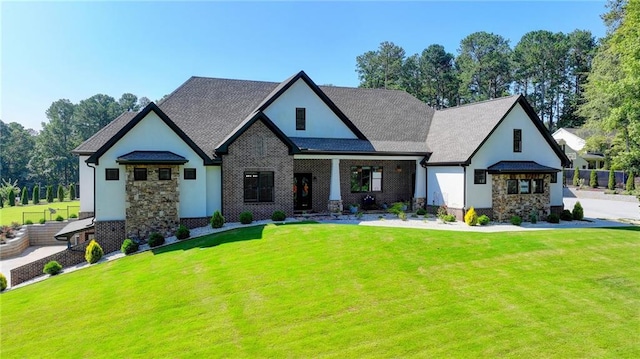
(480, 102)
(230, 79)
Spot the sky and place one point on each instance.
(74, 50)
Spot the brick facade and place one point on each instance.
(195, 222)
(397, 181)
(321, 181)
(152, 205)
(257, 149)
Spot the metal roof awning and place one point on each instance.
(520, 167)
(74, 227)
(151, 157)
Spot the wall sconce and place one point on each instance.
(315, 178)
(398, 169)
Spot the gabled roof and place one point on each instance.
(457, 133)
(570, 137)
(248, 122)
(127, 126)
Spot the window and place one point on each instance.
(554, 177)
(189, 173)
(517, 140)
(479, 177)
(301, 118)
(164, 174)
(538, 186)
(139, 174)
(112, 174)
(366, 179)
(512, 186)
(525, 186)
(258, 186)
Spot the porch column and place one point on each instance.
(335, 198)
(420, 195)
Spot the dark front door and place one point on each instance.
(302, 191)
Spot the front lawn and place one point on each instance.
(340, 291)
(35, 213)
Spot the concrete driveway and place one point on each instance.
(596, 204)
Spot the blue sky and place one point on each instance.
(74, 50)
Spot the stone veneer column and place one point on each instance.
(335, 198)
(507, 205)
(152, 205)
(420, 194)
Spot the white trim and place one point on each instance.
(334, 191)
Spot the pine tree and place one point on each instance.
(36, 194)
(25, 196)
(593, 180)
(576, 177)
(50, 194)
(631, 182)
(612, 180)
(12, 197)
(72, 192)
(60, 193)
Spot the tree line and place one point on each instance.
(550, 69)
(31, 158)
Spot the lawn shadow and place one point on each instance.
(215, 239)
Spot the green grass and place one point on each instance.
(338, 291)
(14, 214)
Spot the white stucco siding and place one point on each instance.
(86, 185)
(150, 134)
(321, 121)
(214, 189)
(445, 184)
(499, 147)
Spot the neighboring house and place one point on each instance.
(573, 144)
(236, 145)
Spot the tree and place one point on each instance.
(593, 179)
(439, 80)
(96, 112)
(36, 195)
(382, 68)
(576, 177)
(25, 196)
(484, 64)
(612, 180)
(128, 102)
(631, 182)
(50, 194)
(11, 195)
(143, 102)
(72, 192)
(60, 193)
(16, 147)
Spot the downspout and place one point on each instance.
(94, 192)
(464, 192)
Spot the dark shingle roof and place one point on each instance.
(457, 132)
(151, 157)
(333, 144)
(520, 167)
(101, 137)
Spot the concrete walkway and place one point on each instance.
(29, 255)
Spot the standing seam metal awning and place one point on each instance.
(520, 167)
(74, 227)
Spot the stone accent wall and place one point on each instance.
(396, 186)
(507, 205)
(152, 205)
(321, 184)
(335, 206)
(72, 256)
(257, 149)
(418, 202)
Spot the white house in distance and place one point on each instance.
(237, 145)
(572, 144)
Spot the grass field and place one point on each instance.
(14, 214)
(340, 291)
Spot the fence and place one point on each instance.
(50, 214)
(603, 177)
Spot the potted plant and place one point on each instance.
(353, 208)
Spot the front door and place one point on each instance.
(302, 191)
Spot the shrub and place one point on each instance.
(3, 282)
(60, 193)
(484, 220)
(421, 212)
(72, 192)
(576, 177)
(553, 218)
(36, 195)
(52, 268)
(50, 194)
(630, 185)
(12, 198)
(156, 239)
(566, 215)
(59, 218)
(94, 252)
(471, 217)
(217, 221)
(402, 216)
(449, 218)
(612, 180)
(533, 218)
(129, 246)
(28, 221)
(183, 232)
(73, 215)
(278, 216)
(516, 220)
(42, 221)
(593, 179)
(396, 208)
(443, 210)
(25, 196)
(246, 217)
(578, 212)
